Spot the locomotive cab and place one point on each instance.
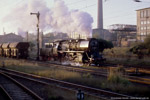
(46, 52)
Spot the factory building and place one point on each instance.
(124, 35)
(143, 23)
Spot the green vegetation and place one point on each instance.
(103, 44)
(53, 92)
(117, 52)
(115, 81)
(123, 56)
(118, 83)
(138, 55)
(142, 49)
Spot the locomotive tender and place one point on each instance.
(78, 50)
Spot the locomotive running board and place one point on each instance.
(71, 51)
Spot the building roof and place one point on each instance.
(11, 37)
(143, 9)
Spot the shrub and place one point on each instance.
(116, 76)
(103, 44)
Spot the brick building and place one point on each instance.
(143, 23)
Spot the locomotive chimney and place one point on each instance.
(100, 15)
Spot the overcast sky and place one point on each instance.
(115, 11)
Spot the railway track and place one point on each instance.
(103, 71)
(98, 72)
(15, 90)
(4, 95)
(102, 94)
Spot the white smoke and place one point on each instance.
(58, 18)
(22, 32)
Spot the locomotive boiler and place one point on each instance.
(78, 50)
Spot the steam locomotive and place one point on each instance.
(78, 50)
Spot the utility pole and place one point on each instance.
(38, 18)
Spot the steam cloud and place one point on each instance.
(58, 18)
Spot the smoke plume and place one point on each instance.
(58, 18)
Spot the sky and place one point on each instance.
(114, 11)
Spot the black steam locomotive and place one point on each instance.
(78, 50)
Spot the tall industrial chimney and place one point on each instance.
(100, 15)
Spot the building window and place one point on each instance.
(142, 22)
(141, 28)
(142, 14)
(141, 33)
(145, 13)
(149, 13)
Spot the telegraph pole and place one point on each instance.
(38, 18)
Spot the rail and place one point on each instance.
(16, 90)
(89, 90)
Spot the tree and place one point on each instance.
(142, 48)
(103, 44)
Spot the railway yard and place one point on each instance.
(63, 52)
(98, 83)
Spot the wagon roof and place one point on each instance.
(5, 45)
(19, 45)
